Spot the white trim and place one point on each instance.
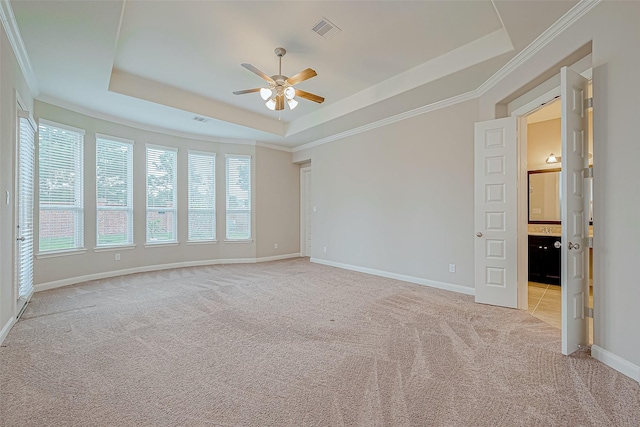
(116, 248)
(17, 44)
(161, 244)
(303, 213)
(392, 119)
(238, 240)
(7, 327)
(201, 242)
(24, 114)
(277, 257)
(114, 138)
(114, 273)
(411, 279)
(565, 21)
(274, 147)
(137, 125)
(61, 126)
(56, 254)
(616, 362)
(527, 53)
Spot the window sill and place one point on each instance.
(161, 244)
(202, 242)
(45, 255)
(113, 248)
(239, 241)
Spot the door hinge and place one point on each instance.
(589, 312)
(588, 103)
(591, 242)
(588, 172)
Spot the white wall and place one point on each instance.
(612, 28)
(277, 203)
(11, 82)
(399, 198)
(273, 178)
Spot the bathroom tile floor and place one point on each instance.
(545, 303)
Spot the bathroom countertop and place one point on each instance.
(534, 233)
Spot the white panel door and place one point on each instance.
(496, 209)
(24, 232)
(306, 212)
(575, 216)
(309, 213)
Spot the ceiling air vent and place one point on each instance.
(200, 119)
(326, 28)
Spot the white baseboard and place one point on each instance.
(5, 330)
(404, 278)
(144, 269)
(616, 362)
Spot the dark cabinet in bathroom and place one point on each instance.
(544, 260)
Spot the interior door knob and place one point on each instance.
(575, 246)
(479, 234)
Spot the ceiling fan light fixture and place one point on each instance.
(265, 93)
(290, 92)
(271, 104)
(292, 103)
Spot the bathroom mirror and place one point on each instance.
(545, 197)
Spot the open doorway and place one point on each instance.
(544, 201)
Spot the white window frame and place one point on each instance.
(128, 209)
(173, 209)
(227, 195)
(191, 208)
(78, 207)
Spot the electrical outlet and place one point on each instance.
(275, 246)
(117, 257)
(324, 249)
(452, 268)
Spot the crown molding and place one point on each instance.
(274, 147)
(121, 121)
(15, 39)
(575, 13)
(393, 119)
(540, 42)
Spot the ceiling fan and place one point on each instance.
(281, 87)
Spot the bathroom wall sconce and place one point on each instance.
(557, 159)
(553, 159)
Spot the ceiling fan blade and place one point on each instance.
(242, 92)
(309, 96)
(301, 76)
(258, 72)
(279, 102)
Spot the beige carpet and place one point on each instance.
(291, 343)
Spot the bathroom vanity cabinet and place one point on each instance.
(544, 259)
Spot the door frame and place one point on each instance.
(303, 211)
(525, 105)
(20, 107)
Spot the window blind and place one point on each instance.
(26, 165)
(61, 188)
(161, 194)
(114, 192)
(238, 181)
(202, 196)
